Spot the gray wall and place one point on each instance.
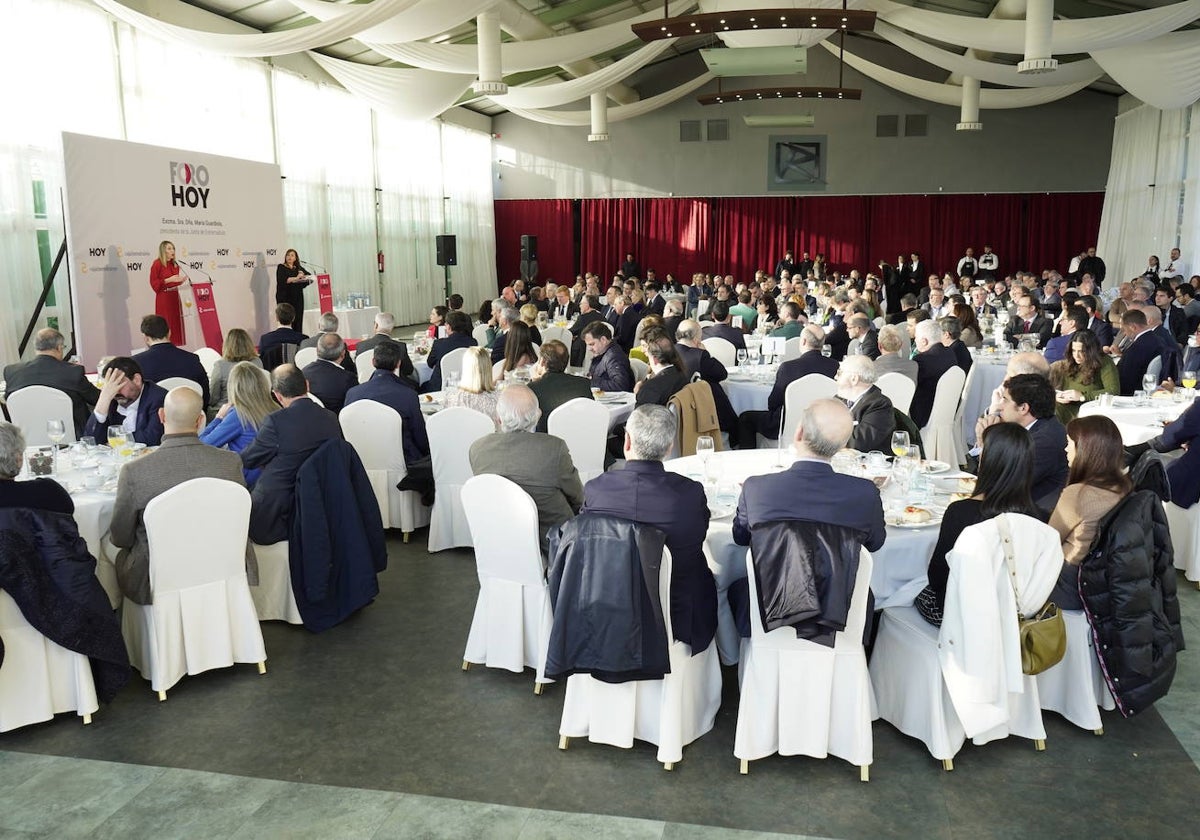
(1061, 147)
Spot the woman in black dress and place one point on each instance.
(290, 280)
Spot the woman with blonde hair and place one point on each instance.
(238, 347)
(237, 423)
(529, 316)
(475, 390)
(165, 279)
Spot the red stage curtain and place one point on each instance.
(675, 237)
(960, 221)
(897, 226)
(1060, 226)
(611, 228)
(835, 226)
(547, 219)
(751, 233)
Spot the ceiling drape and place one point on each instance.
(407, 94)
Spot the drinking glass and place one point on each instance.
(712, 473)
(452, 380)
(1149, 383)
(704, 448)
(116, 437)
(1189, 379)
(741, 357)
(899, 444)
(56, 431)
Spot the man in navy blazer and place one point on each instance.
(647, 494)
(285, 440)
(327, 379)
(286, 333)
(163, 360)
(698, 360)
(933, 359)
(1027, 399)
(458, 334)
(385, 386)
(126, 393)
(655, 302)
(720, 327)
(1097, 323)
(1183, 472)
(1137, 356)
(766, 423)
(48, 369)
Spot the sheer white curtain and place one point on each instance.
(470, 213)
(1189, 240)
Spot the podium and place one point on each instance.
(201, 323)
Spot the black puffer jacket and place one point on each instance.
(1127, 585)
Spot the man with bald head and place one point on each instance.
(48, 368)
(179, 458)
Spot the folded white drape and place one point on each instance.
(260, 44)
(1069, 36)
(424, 20)
(1163, 72)
(952, 94)
(560, 93)
(519, 56)
(619, 112)
(407, 94)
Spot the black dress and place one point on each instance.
(292, 293)
(959, 516)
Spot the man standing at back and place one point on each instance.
(163, 360)
(48, 368)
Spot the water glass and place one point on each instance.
(704, 448)
(1141, 398)
(1149, 383)
(452, 378)
(741, 357)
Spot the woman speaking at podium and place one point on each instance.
(290, 280)
(165, 279)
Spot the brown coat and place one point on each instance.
(697, 413)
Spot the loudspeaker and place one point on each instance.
(528, 248)
(447, 250)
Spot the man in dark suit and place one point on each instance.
(552, 385)
(329, 326)
(983, 309)
(952, 338)
(385, 322)
(1028, 400)
(871, 411)
(1137, 357)
(48, 368)
(127, 400)
(458, 334)
(666, 377)
(912, 274)
(645, 493)
(1174, 319)
(1097, 323)
(627, 323)
(508, 317)
(589, 312)
(697, 360)
(270, 343)
(327, 379)
(836, 334)
(1093, 265)
(1029, 321)
(672, 317)
(386, 387)
(766, 423)
(859, 326)
(285, 440)
(720, 327)
(933, 359)
(163, 360)
(655, 302)
(630, 268)
(1184, 471)
(563, 308)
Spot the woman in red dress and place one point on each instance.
(165, 279)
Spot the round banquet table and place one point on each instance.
(1137, 424)
(987, 374)
(899, 565)
(749, 386)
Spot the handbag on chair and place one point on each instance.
(1044, 634)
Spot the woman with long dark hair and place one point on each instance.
(1004, 486)
(972, 334)
(518, 348)
(1084, 373)
(290, 280)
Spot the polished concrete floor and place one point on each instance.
(373, 730)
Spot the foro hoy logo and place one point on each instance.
(97, 252)
(203, 293)
(189, 185)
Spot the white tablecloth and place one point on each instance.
(619, 404)
(1137, 424)
(987, 374)
(749, 387)
(352, 323)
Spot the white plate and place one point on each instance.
(936, 466)
(721, 511)
(909, 526)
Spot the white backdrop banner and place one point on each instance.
(224, 215)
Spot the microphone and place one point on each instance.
(317, 266)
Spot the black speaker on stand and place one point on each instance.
(447, 255)
(529, 257)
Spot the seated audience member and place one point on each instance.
(933, 360)
(1029, 321)
(1096, 483)
(540, 464)
(1083, 375)
(720, 327)
(1029, 402)
(458, 329)
(1143, 348)
(504, 321)
(518, 349)
(455, 302)
(789, 323)
(1184, 471)
(37, 493)
(237, 348)
(1004, 486)
(563, 309)
(552, 385)
(610, 370)
(385, 386)
(892, 358)
(810, 360)
(437, 317)
(385, 322)
(589, 313)
(237, 422)
(163, 360)
(270, 344)
(831, 498)
(871, 411)
(48, 368)
(667, 376)
(329, 326)
(859, 326)
(327, 379)
(952, 338)
(529, 316)
(745, 310)
(672, 316)
(180, 457)
(475, 390)
(128, 401)
(1074, 319)
(647, 494)
(284, 441)
(628, 318)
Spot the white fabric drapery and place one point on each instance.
(1163, 72)
(423, 20)
(408, 94)
(618, 112)
(560, 93)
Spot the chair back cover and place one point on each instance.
(180, 382)
(722, 350)
(365, 364)
(557, 334)
(452, 361)
(33, 405)
(640, 369)
(504, 529)
(305, 356)
(898, 388)
(208, 359)
(480, 335)
(940, 433)
(451, 433)
(799, 395)
(792, 349)
(376, 433)
(180, 561)
(583, 424)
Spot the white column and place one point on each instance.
(599, 118)
(1039, 17)
(969, 117)
(491, 75)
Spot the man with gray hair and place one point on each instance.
(328, 325)
(48, 368)
(893, 353)
(385, 322)
(327, 378)
(645, 493)
(540, 465)
(672, 316)
(933, 360)
(767, 423)
(506, 318)
(870, 409)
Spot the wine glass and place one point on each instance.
(741, 357)
(1149, 383)
(899, 444)
(117, 438)
(56, 430)
(704, 448)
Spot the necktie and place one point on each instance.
(1029, 326)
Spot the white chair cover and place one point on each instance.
(640, 369)
(498, 370)
(203, 615)
(799, 395)
(722, 350)
(33, 405)
(273, 597)
(940, 432)
(898, 388)
(1185, 538)
(792, 349)
(39, 678)
(452, 361)
(669, 713)
(180, 382)
(511, 626)
(557, 334)
(316, 399)
(480, 335)
(451, 433)
(1075, 687)
(305, 357)
(208, 358)
(583, 424)
(801, 698)
(1155, 368)
(365, 364)
(960, 443)
(376, 433)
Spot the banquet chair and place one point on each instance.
(376, 433)
(640, 369)
(279, 354)
(802, 698)
(33, 405)
(39, 678)
(180, 382)
(792, 349)
(1185, 538)
(511, 625)
(960, 442)
(940, 433)
(558, 334)
(452, 362)
(315, 399)
(670, 712)
(208, 359)
(305, 356)
(480, 335)
(583, 424)
(1075, 687)
(273, 597)
(799, 395)
(918, 671)
(722, 350)
(898, 388)
(451, 432)
(202, 616)
(365, 365)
